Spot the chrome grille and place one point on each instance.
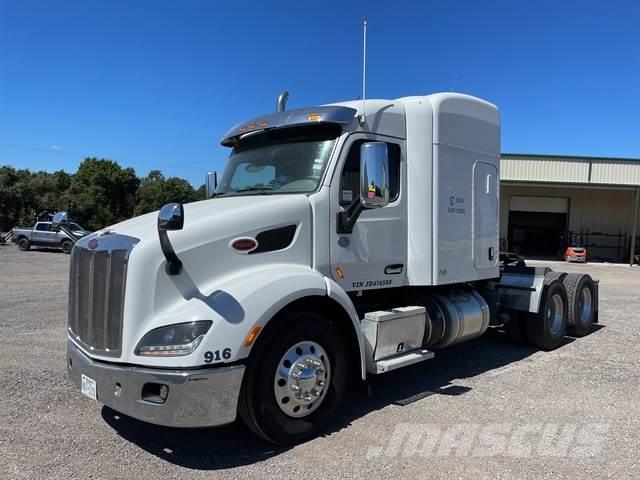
(96, 292)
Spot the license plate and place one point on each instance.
(88, 387)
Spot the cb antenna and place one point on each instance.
(363, 116)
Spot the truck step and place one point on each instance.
(399, 361)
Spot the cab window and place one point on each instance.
(43, 227)
(350, 178)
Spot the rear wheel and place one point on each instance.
(67, 246)
(581, 300)
(24, 244)
(546, 328)
(295, 379)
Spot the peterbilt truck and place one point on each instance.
(342, 241)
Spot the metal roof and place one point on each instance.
(532, 168)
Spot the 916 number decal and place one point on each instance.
(217, 356)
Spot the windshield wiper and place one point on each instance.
(253, 189)
(259, 190)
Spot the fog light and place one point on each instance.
(164, 392)
(155, 392)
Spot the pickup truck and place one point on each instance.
(41, 235)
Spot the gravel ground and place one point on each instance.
(483, 409)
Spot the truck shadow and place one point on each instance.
(233, 445)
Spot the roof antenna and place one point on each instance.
(453, 84)
(363, 115)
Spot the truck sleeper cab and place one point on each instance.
(337, 245)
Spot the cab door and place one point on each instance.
(374, 254)
(42, 234)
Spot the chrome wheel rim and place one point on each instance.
(554, 314)
(585, 305)
(302, 379)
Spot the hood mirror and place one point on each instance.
(170, 217)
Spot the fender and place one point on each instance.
(337, 293)
(236, 304)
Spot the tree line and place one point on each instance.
(99, 193)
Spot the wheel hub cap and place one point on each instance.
(301, 379)
(584, 305)
(555, 312)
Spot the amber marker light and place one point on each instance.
(339, 272)
(314, 117)
(253, 334)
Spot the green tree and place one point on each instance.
(101, 193)
(156, 190)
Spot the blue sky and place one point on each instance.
(155, 84)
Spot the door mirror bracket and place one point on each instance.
(348, 218)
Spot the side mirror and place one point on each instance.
(171, 217)
(211, 183)
(374, 185)
(374, 175)
(59, 219)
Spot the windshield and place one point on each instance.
(74, 227)
(290, 160)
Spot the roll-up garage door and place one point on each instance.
(537, 225)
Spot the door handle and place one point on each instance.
(393, 269)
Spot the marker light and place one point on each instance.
(173, 340)
(314, 117)
(253, 334)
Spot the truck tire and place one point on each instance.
(24, 244)
(67, 246)
(581, 294)
(546, 328)
(295, 379)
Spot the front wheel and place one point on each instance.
(295, 379)
(67, 246)
(24, 244)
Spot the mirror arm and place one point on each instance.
(174, 265)
(348, 218)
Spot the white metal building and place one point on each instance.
(550, 201)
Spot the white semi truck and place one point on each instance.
(342, 241)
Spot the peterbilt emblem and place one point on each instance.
(93, 244)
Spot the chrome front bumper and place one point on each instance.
(197, 398)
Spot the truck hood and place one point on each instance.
(226, 215)
(153, 298)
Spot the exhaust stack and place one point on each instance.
(281, 104)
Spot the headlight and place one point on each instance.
(173, 340)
